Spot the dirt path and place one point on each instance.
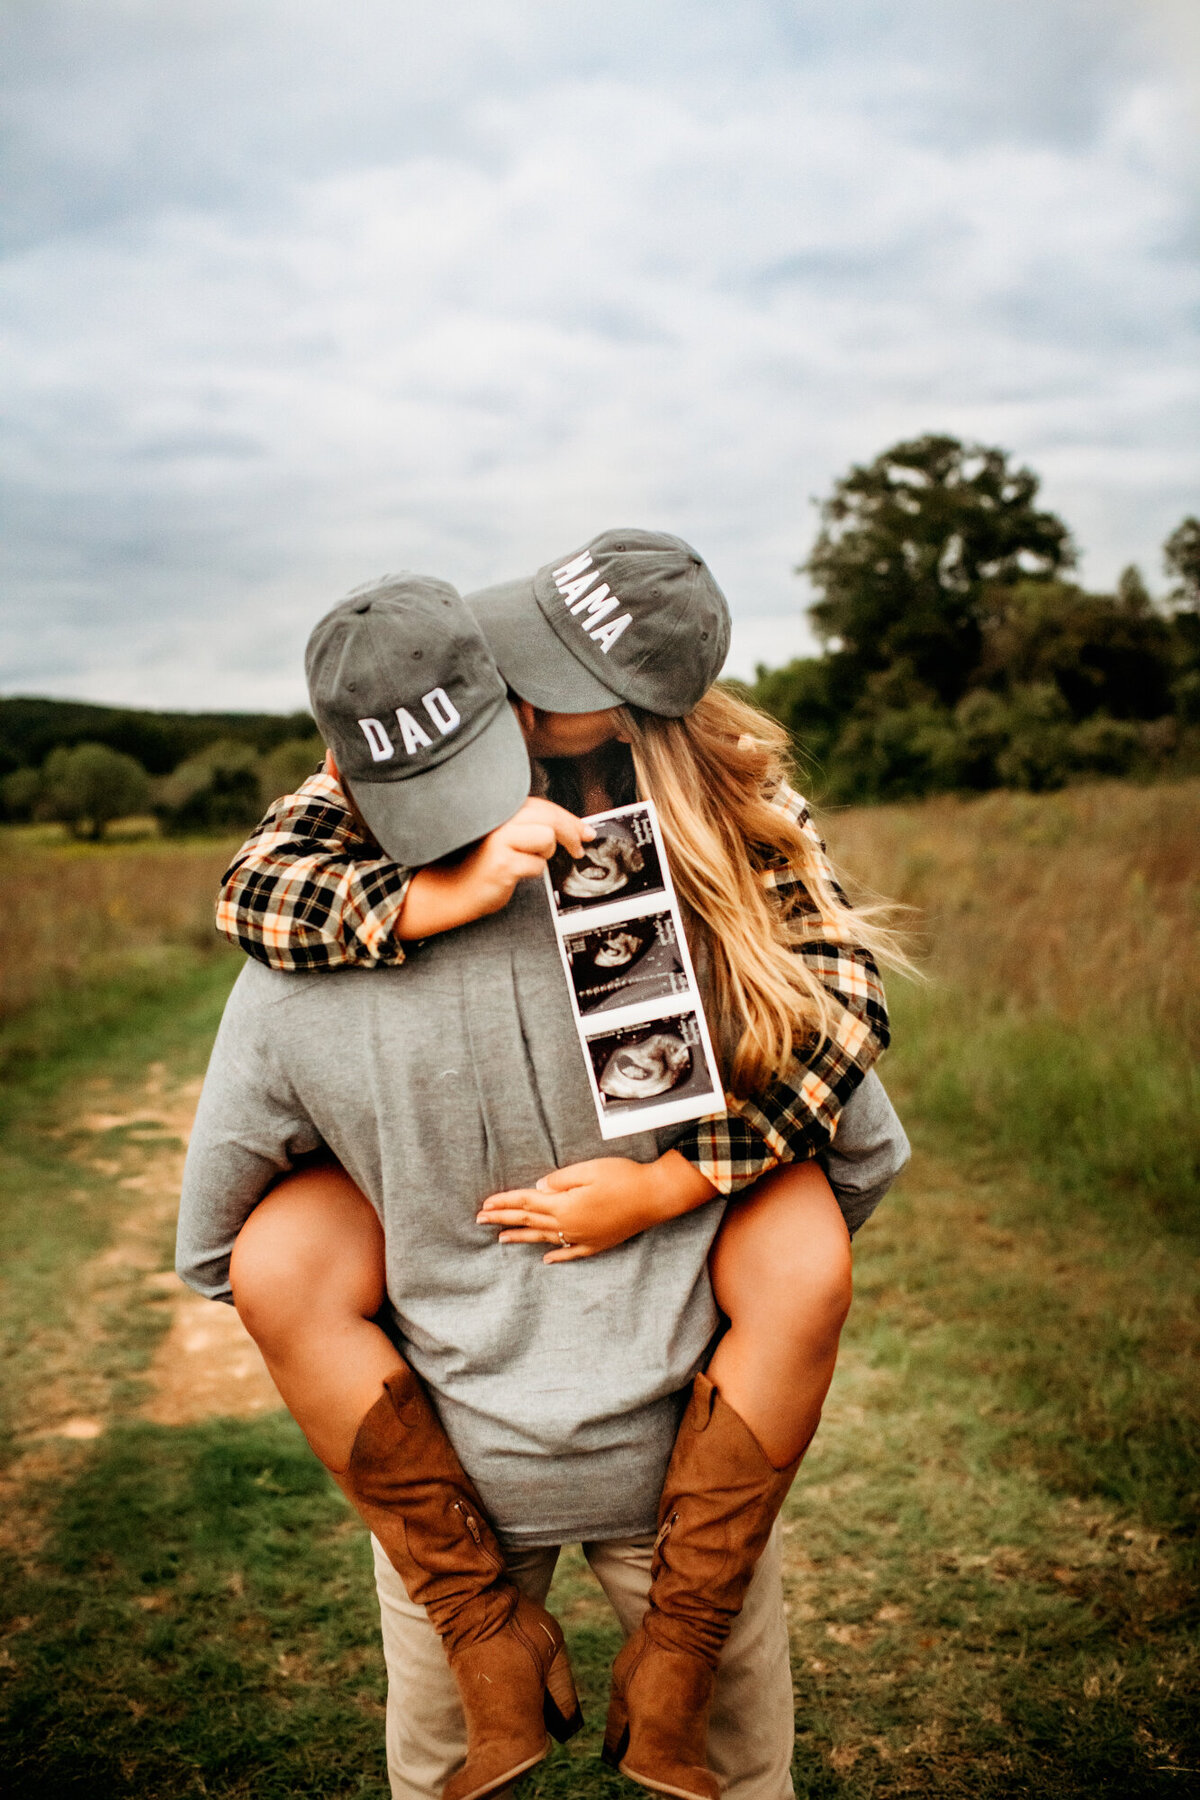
(205, 1365)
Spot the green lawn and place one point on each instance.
(991, 1549)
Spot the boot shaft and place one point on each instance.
(415, 1495)
(720, 1500)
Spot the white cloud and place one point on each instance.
(298, 301)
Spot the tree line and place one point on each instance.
(220, 785)
(958, 653)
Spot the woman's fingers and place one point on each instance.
(575, 1175)
(524, 867)
(520, 1215)
(572, 1254)
(540, 827)
(530, 1234)
(510, 1200)
(571, 833)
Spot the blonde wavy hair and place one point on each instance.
(712, 775)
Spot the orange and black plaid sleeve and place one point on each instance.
(309, 890)
(798, 1115)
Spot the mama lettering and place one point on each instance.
(590, 605)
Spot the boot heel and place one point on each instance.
(560, 1707)
(616, 1732)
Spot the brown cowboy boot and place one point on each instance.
(719, 1503)
(506, 1652)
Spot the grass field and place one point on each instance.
(991, 1548)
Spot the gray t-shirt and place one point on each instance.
(436, 1084)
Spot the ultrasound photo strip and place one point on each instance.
(638, 1011)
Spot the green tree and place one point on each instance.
(1181, 559)
(90, 786)
(910, 546)
(799, 696)
(1133, 596)
(1105, 653)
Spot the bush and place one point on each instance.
(984, 726)
(1103, 746)
(896, 753)
(1037, 756)
(283, 770)
(19, 793)
(217, 791)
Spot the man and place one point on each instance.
(434, 1087)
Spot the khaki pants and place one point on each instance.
(750, 1729)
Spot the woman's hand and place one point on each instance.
(445, 895)
(596, 1205)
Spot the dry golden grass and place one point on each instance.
(1067, 905)
(990, 1553)
(73, 910)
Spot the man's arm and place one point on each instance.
(248, 1131)
(871, 1149)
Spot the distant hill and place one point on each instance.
(30, 728)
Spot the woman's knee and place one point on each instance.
(825, 1285)
(804, 1294)
(312, 1248)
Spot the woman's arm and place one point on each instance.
(797, 1116)
(311, 889)
(596, 1205)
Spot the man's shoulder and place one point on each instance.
(259, 987)
(277, 1013)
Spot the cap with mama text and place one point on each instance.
(405, 692)
(634, 616)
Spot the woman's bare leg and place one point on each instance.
(781, 1274)
(308, 1279)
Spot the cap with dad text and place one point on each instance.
(635, 616)
(405, 692)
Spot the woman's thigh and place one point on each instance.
(314, 1245)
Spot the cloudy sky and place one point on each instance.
(295, 292)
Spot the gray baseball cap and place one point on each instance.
(407, 695)
(634, 616)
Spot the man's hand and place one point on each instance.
(446, 895)
(596, 1205)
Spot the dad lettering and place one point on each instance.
(590, 605)
(442, 712)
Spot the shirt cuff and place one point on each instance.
(730, 1160)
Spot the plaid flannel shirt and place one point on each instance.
(305, 891)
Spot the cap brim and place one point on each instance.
(531, 656)
(430, 815)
